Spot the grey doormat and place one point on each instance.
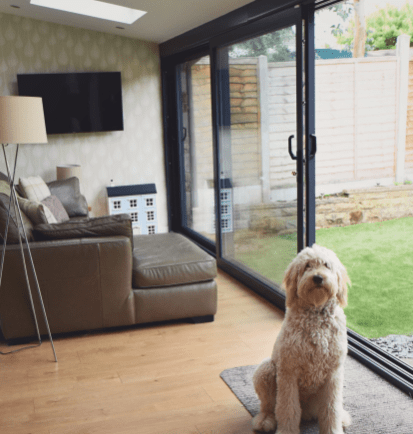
(376, 407)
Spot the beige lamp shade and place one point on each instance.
(68, 171)
(22, 120)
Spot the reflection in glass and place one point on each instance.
(198, 151)
(257, 81)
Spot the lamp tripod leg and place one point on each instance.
(13, 196)
(12, 202)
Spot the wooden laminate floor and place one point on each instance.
(160, 379)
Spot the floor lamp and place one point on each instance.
(22, 121)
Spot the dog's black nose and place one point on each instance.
(317, 279)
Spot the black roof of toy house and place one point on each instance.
(131, 190)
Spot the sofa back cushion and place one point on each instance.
(119, 224)
(13, 234)
(4, 177)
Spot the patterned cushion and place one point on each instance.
(56, 207)
(34, 188)
(5, 187)
(37, 212)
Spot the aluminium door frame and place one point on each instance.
(310, 133)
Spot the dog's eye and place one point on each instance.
(326, 265)
(308, 266)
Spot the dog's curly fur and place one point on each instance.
(303, 379)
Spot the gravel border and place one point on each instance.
(397, 345)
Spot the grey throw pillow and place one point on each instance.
(68, 192)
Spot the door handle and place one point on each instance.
(290, 148)
(313, 146)
(184, 130)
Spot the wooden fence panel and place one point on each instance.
(201, 137)
(409, 132)
(376, 79)
(245, 125)
(355, 120)
(282, 119)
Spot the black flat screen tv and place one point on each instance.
(79, 102)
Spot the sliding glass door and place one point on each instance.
(261, 140)
(194, 107)
(241, 134)
(259, 206)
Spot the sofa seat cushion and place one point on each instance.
(169, 259)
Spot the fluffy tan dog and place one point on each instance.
(303, 379)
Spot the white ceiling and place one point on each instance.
(164, 20)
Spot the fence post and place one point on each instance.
(356, 112)
(265, 126)
(402, 52)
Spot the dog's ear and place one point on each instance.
(290, 283)
(343, 281)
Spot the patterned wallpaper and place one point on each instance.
(132, 156)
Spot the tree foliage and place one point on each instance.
(343, 10)
(277, 46)
(383, 28)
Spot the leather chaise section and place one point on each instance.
(175, 302)
(169, 259)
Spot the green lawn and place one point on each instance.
(379, 260)
(268, 256)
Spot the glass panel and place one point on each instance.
(258, 183)
(198, 147)
(364, 191)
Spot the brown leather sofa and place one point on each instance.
(97, 282)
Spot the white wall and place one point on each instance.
(132, 156)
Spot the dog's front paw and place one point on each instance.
(346, 419)
(264, 422)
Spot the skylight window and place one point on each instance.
(93, 8)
